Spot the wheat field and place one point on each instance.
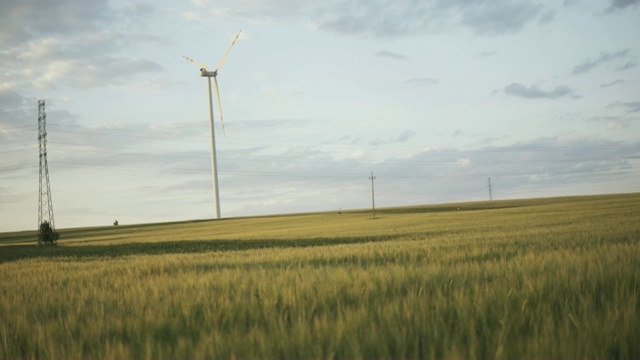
(539, 278)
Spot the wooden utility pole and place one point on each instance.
(373, 196)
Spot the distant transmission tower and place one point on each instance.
(46, 225)
(490, 189)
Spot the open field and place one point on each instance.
(540, 278)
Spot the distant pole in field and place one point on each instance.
(373, 196)
(490, 189)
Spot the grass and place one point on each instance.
(539, 278)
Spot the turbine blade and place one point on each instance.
(202, 66)
(215, 82)
(228, 51)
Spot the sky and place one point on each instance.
(434, 97)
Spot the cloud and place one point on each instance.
(84, 73)
(603, 58)
(615, 82)
(300, 176)
(73, 145)
(24, 20)
(273, 124)
(390, 55)
(419, 82)
(613, 122)
(629, 106)
(486, 54)
(384, 19)
(553, 165)
(13, 108)
(464, 162)
(617, 124)
(499, 17)
(618, 5)
(138, 9)
(627, 65)
(539, 165)
(534, 92)
(18, 115)
(405, 136)
(18, 132)
(358, 154)
(71, 43)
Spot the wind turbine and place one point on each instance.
(206, 72)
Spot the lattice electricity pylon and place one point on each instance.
(46, 225)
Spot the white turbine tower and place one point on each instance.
(206, 72)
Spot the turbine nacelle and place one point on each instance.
(208, 73)
(205, 72)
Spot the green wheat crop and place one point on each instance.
(546, 278)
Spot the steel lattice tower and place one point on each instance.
(45, 206)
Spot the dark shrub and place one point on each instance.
(47, 235)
